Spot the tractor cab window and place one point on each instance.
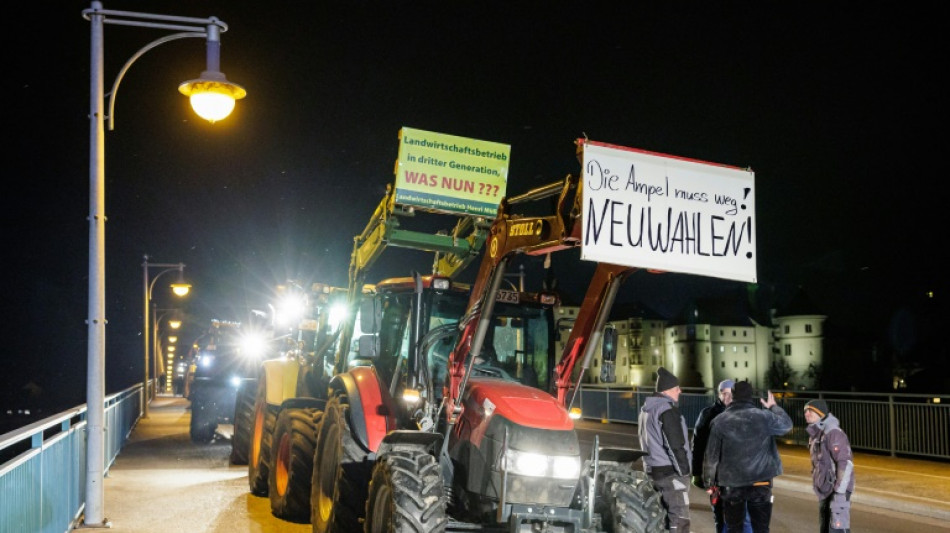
(438, 309)
(520, 343)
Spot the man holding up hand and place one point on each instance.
(742, 457)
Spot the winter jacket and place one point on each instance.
(701, 434)
(832, 466)
(741, 450)
(663, 435)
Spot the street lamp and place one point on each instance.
(180, 288)
(214, 81)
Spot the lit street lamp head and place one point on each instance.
(180, 289)
(212, 96)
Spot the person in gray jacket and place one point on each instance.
(832, 468)
(742, 458)
(663, 435)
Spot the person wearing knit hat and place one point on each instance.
(700, 438)
(819, 407)
(742, 458)
(742, 391)
(665, 439)
(665, 380)
(832, 467)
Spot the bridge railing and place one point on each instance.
(43, 465)
(898, 424)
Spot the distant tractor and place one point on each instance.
(225, 362)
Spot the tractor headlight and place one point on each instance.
(539, 465)
(566, 467)
(253, 345)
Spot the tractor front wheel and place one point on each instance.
(340, 474)
(628, 501)
(406, 494)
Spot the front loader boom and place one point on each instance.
(453, 251)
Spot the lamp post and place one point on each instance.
(181, 288)
(213, 82)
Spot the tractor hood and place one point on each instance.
(520, 404)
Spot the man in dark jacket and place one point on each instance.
(700, 437)
(832, 468)
(742, 458)
(663, 435)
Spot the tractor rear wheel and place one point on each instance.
(243, 419)
(628, 501)
(292, 463)
(258, 461)
(406, 494)
(340, 474)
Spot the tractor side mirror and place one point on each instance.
(367, 347)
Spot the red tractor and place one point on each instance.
(475, 440)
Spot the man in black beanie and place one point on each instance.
(832, 468)
(663, 435)
(742, 458)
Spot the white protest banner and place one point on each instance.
(662, 212)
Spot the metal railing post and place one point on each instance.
(892, 424)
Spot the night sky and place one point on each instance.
(835, 106)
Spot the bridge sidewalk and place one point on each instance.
(162, 483)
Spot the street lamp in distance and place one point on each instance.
(180, 289)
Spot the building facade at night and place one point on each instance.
(711, 341)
